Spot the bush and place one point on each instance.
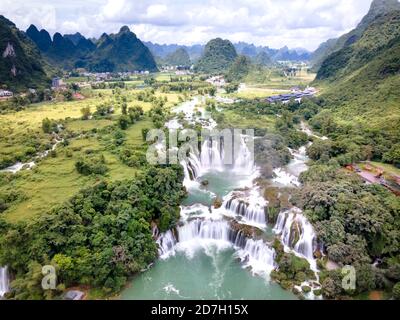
(85, 113)
(91, 165)
(48, 126)
(123, 122)
(396, 291)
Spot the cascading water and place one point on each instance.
(4, 281)
(297, 234)
(258, 256)
(247, 204)
(166, 244)
(199, 231)
(212, 158)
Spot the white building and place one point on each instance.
(5, 94)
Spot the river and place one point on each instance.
(208, 256)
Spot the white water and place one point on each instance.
(258, 256)
(306, 129)
(248, 204)
(4, 281)
(166, 244)
(288, 224)
(206, 228)
(202, 234)
(29, 165)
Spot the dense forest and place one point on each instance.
(100, 237)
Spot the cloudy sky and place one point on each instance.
(295, 23)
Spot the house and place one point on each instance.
(295, 95)
(74, 295)
(57, 83)
(5, 94)
(78, 96)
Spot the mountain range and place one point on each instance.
(111, 53)
(242, 48)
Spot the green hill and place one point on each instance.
(121, 52)
(112, 53)
(21, 64)
(263, 59)
(360, 85)
(218, 56)
(239, 69)
(378, 8)
(179, 57)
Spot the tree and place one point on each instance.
(212, 91)
(48, 126)
(123, 122)
(124, 108)
(86, 113)
(396, 291)
(393, 155)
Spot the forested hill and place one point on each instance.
(180, 57)
(21, 64)
(360, 94)
(362, 80)
(378, 8)
(218, 56)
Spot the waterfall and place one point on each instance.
(212, 158)
(207, 230)
(212, 155)
(297, 234)
(4, 281)
(258, 256)
(244, 159)
(248, 204)
(166, 244)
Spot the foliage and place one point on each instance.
(218, 56)
(104, 229)
(239, 69)
(91, 165)
(23, 67)
(396, 291)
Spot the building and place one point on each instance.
(57, 82)
(295, 95)
(5, 94)
(217, 81)
(74, 295)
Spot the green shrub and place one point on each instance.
(91, 165)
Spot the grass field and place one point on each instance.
(55, 179)
(234, 119)
(252, 92)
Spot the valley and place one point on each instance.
(312, 186)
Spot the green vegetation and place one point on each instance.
(119, 52)
(292, 271)
(180, 57)
(378, 9)
(239, 69)
(21, 65)
(218, 56)
(104, 229)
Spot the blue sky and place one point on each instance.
(295, 23)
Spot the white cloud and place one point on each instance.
(296, 23)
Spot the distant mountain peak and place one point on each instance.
(379, 7)
(32, 28)
(125, 29)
